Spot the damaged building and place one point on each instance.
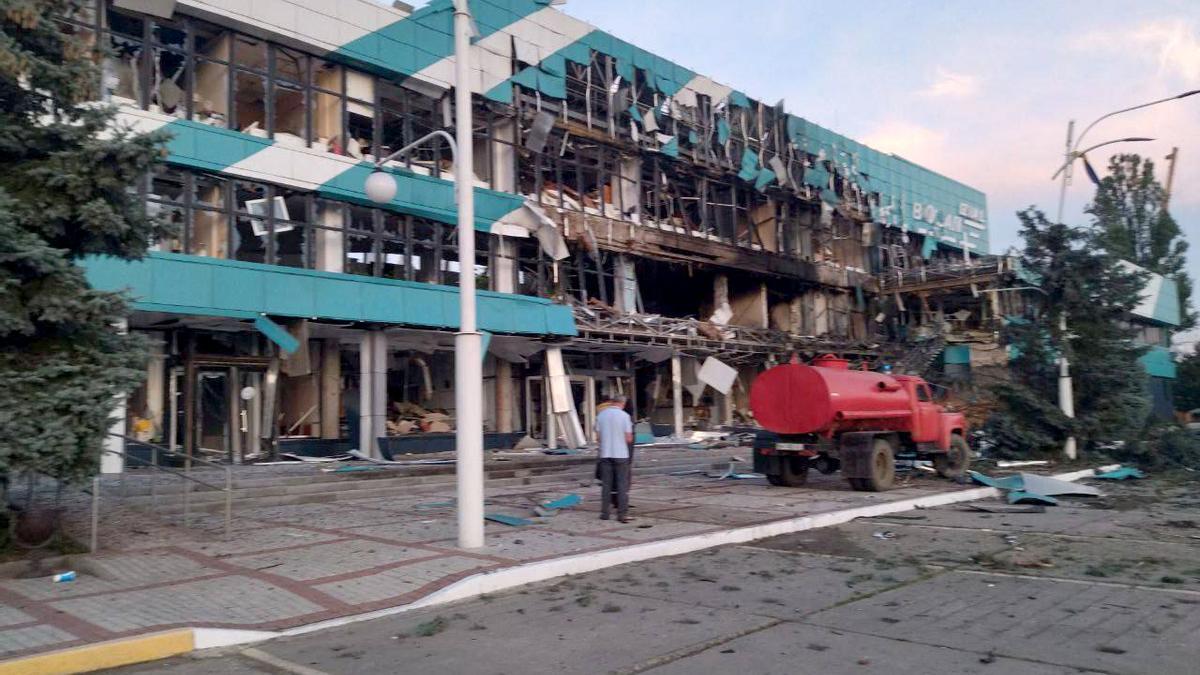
(643, 229)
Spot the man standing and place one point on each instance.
(614, 426)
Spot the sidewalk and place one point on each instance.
(294, 565)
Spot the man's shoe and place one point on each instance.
(604, 516)
(624, 520)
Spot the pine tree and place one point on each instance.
(68, 189)
(1086, 286)
(1187, 381)
(1132, 223)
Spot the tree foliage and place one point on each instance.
(1084, 290)
(1187, 381)
(1132, 223)
(68, 178)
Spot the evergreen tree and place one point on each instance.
(1086, 286)
(1131, 222)
(68, 179)
(1187, 381)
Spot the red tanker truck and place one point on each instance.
(826, 416)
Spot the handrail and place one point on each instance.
(162, 448)
(185, 474)
(157, 467)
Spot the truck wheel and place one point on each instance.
(882, 467)
(954, 462)
(794, 472)
(826, 464)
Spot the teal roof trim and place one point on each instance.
(185, 284)
(423, 196)
(662, 74)
(210, 148)
(277, 334)
(426, 36)
(1158, 362)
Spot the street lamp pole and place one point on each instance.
(468, 342)
(1066, 395)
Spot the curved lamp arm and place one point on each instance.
(412, 146)
(1076, 154)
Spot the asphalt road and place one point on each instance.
(1110, 585)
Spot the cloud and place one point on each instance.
(1173, 43)
(948, 84)
(907, 139)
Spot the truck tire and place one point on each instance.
(954, 462)
(882, 468)
(793, 472)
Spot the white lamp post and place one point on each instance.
(468, 343)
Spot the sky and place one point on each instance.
(981, 92)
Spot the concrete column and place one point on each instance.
(331, 388)
(366, 391)
(625, 285)
(504, 396)
(504, 268)
(379, 394)
(156, 384)
(677, 392)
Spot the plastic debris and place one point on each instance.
(63, 577)
(1006, 464)
(1022, 497)
(1044, 485)
(884, 534)
(1121, 473)
(563, 502)
(503, 519)
(1005, 483)
(1002, 508)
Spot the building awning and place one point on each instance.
(186, 284)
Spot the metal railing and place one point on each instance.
(185, 475)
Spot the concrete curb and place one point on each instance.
(162, 645)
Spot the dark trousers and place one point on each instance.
(614, 481)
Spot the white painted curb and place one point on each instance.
(520, 575)
(528, 573)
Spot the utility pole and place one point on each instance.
(1170, 176)
(1066, 393)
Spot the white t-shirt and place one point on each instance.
(612, 424)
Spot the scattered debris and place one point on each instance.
(1009, 464)
(63, 577)
(1032, 488)
(1001, 508)
(1053, 487)
(1022, 497)
(511, 521)
(551, 508)
(1122, 473)
(1109, 649)
(884, 534)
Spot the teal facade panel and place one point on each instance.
(1159, 362)
(957, 354)
(185, 284)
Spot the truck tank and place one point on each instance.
(827, 397)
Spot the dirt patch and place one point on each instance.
(828, 541)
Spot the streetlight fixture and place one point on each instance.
(468, 342)
(1066, 396)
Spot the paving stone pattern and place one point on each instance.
(290, 565)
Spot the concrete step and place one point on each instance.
(214, 502)
(365, 480)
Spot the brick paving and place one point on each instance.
(291, 565)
